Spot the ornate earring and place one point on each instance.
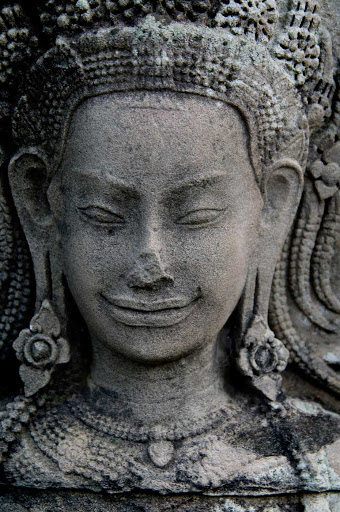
(40, 348)
(262, 358)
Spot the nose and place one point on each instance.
(149, 270)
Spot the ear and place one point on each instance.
(28, 178)
(282, 188)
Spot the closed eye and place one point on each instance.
(100, 215)
(200, 217)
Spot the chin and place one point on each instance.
(152, 359)
(148, 351)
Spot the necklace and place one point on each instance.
(160, 438)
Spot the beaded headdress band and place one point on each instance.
(222, 49)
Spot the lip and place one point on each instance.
(149, 314)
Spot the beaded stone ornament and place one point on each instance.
(278, 70)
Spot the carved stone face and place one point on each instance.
(159, 219)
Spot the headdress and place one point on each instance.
(211, 46)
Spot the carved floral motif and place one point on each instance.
(40, 348)
(249, 16)
(263, 357)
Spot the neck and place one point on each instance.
(192, 386)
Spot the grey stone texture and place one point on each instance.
(74, 502)
(170, 256)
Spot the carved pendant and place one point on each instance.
(161, 452)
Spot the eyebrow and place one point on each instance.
(107, 180)
(130, 190)
(199, 182)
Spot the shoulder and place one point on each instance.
(36, 460)
(58, 450)
(317, 431)
(295, 449)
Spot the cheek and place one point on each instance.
(220, 264)
(220, 253)
(91, 258)
(224, 273)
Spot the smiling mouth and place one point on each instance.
(153, 314)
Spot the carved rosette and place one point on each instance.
(262, 358)
(40, 348)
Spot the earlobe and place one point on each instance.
(28, 177)
(282, 187)
(29, 180)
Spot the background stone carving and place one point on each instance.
(305, 300)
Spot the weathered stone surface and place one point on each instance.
(169, 242)
(31, 501)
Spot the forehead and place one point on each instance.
(156, 137)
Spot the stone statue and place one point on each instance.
(170, 237)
